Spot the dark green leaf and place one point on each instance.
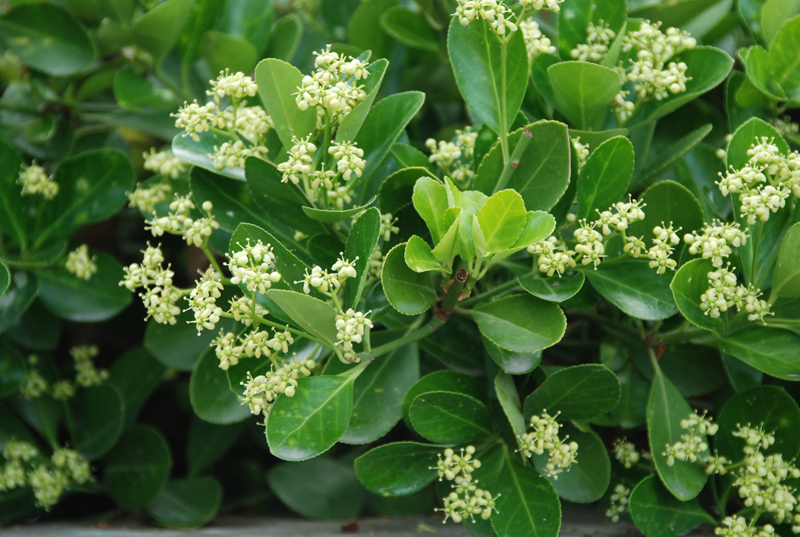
(408, 292)
(771, 350)
(409, 28)
(179, 345)
(137, 468)
(316, 317)
(361, 242)
(364, 30)
(158, 29)
(528, 503)
(291, 268)
(200, 152)
(746, 135)
(5, 278)
(211, 398)
(509, 400)
(249, 20)
(13, 370)
(208, 443)
(222, 51)
(521, 323)
(135, 375)
(513, 363)
(398, 469)
(689, 283)
(667, 202)
(605, 177)
(284, 39)
(741, 375)
(449, 417)
(635, 288)
(574, 18)
(186, 503)
(657, 513)
(13, 219)
(553, 289)
(759, 74)
(351, 125)
(142, 93)
(577, 392)
(333, 215)
(493, 89)
(17, 299)
(97, 420)
(666, 158)
(277, 81)
(442, 381)
(584, 91)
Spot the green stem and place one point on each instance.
(511, 285)
(213, 262)
(681, 335)
(503, 100)
(756, 244)
(512, 163)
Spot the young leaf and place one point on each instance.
(430, 201)
(493, 83)
(584, 91)
(783, 56)
(186, 503)
(398, 469)
(408, 292)
(209, 394)
(277, 81)
(449, 418)
(420, 258)
(657, 513)
(521, 323)
(605, 177)
(137, 468)
(502, 220)
(528, 503)
(665, 410)
(786, 282)
(635, 288)
(577, 392)
(771, 350)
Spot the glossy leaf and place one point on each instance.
(513, 363)
(665, 410)
(361, 242)
(502, 220)
(661, 162)
(186, 503)
(135, 375)
(419, 256)
(759, 74)
(543, 172)
(771, 350)
(442, 381)
(79, 300)
(528, 503)
(408, 292)
(605, 176)
(509, 399)
(492, 90)
(137, 468)
(211, 398)
(521, 323)
(688, 285)
(334, 215)
(157, 30)
(746, 135)
(657, 513)
(635, 288)
(47, 38)
(97, 420)
(783, 57)
(668, 201)
(397, 469)
(584, 91)
(409, 28)
(577, 392)
(786, 282)
(553, 289)
(199, 153)
(311, 314)
(352, 122)
(430, 201)
(449, 417)
(277, 81)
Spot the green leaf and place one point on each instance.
(332, 215)
(502, 220)
(430, 201)
(408, 292)
(135, 375)
(509, 400)
(635, 288)
(318, 488)
(249, 20)
(409, 28)
(221, 51)
(746, 135)
(13, 219)
(449, 417)
(199, 153)
(309, 424)
(442, 381)
(741, 375)
(378, 393)
(605, 177)
(771, 350)
(494, 91)
(47, 38)
(291, 268)
(157, 30)
(397, 469)
(786, 282)
(79, 300)
(542, 176)
(574, 18)
(186, 503)
(208, 443)
(142, 93)
(97, 420)
(657, 513)
(419, 257)
(364, 30)
(13, 370)
(521, 323)
(528, 503)
(665, 410)
(179, 345)
(668, 201)
(688, 285)
(17, 299)
(553, 289)
(660, 162)
(773, 16)
(361, 242)
(351, 124)
(538, 226)
(577, 392)
(707, 67)
(408, 156)
(277, 81)
(513, 363)
(211, 398)
(311, 314)
(587, 479)
(769, 406)
(5, 278)
(759, 73)
(584, 91)
(137, 468)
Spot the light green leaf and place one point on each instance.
(665, 410)
(142, 93)
(635, 288)
(538, 226)
(759, 72)
(774, 15)
(316, 317)
(502, 220)
(574, 18)
(584, 91)
(277, 81)
(222, 51)
(249, 20)
(449, 418)
(513, 363)
(521, 323)
(397, 469)
(787, 270)
(577, 392)
(199, 153)
(771, 350)
(420, 258)
(657, 513)
(408, 292)
(5, 278)
(284, 40)
(605, 177)
(746, 135)
(186, 503)
(492, 88)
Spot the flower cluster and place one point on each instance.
(625, 452)
(665, 238)
(619, 502)
(466, 500)
(723, 293)
(256, 343)
(163, 162)
(35, 181)
(500, 17)
(195, 231)
(86, 374)
(328, 283)
(454, 158)
(159, 294)
(535, 41)
(590, 243)
(203, 300)
(253, 266)
(738, 526)
(146, 198)
(581, 151)
(620, 215)
(554, 256)
(299, 162)
(333, 86)
(26, 467)
(350, 328)
(598, 39)
(692, 443)
(544, 437)
(261, 391)
(35, 384)
(235, 154)
(80, 263)
(765, 182)
(716, 241)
